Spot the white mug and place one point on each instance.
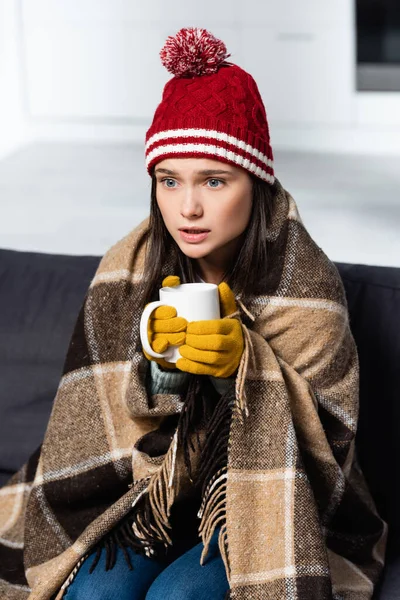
(193, 301)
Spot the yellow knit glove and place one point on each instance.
(165, 328)
(214, 347)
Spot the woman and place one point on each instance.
(232, 473)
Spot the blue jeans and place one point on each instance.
(152, 578)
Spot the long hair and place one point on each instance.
(248, 270)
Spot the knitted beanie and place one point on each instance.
(211, 108)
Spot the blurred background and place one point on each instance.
(81, 79)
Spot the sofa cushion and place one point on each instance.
(40, 297)
(374, 306)
(389, 586)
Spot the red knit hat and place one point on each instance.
(210, 108)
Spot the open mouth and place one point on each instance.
(194, 230)
(194, 234)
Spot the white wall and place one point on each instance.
(13, 131)
(92, 69)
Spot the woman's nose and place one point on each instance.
(191, 205)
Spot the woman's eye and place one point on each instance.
(215, 181)
(167, 181)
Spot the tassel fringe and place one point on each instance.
(241, 407)
(213, 510)
(213, 473)
(151, 520)
(161, 495)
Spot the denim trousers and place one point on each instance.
(153, 578)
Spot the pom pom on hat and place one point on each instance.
(193, 51)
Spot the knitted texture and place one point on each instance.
(216, 115)
(175, 382)
(193, 51)
(296, 518)
(167, 382)
(214, 347)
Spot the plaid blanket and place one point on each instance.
(295, 516)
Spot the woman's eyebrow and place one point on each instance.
(167, 171)
(202, 172)
(214, 172)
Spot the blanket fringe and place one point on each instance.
(241, 407)
(161, 492)
(213, 510)
(151, 522)
(213, 473)
(160, 498)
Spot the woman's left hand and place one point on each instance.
(214, 347)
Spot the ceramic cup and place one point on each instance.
(193, 301)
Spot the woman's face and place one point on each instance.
(206, 206)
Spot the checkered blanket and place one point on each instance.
(295, 516)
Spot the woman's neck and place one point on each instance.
(211, 270)
(210, 274)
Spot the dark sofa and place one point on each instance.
(40, 296)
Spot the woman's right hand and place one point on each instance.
(165, 328)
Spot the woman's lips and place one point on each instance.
(193, 236)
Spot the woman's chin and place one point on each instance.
(194, 250)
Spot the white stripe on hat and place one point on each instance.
(246, 163)
(210, 133)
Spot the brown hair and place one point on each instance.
(248, 270)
